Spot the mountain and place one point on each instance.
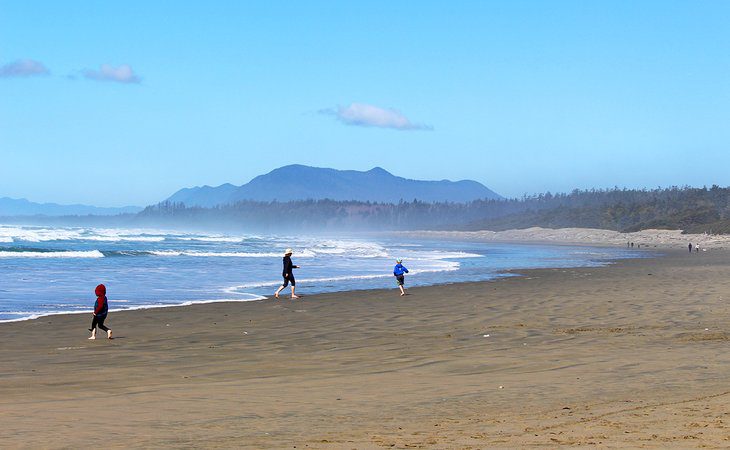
(297, 182)
(23, 207)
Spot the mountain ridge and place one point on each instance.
(298, 182)
(24, 207)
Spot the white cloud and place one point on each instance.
(361, 114)
(23, 68)
(120, 74)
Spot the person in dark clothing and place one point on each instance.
(690, 247)
(101, 309)
(399, 272)
(288, 274)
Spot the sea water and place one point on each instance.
(52, 270)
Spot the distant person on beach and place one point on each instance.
(399, 272)
(288, 274)
(632, 245)
(690, 247)
(101, 309)
(697, 248)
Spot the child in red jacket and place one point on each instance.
(101, 309)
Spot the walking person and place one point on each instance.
(399, 272)
(690, 247)
(101, 309)
(288, 274)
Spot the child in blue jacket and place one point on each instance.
(399, 272)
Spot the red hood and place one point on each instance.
(100, 290)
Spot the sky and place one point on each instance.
(124, 103)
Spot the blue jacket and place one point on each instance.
(399, 270)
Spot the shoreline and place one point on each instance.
(498, 276)
(624, 355)
(132, 308)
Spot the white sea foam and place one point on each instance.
(439, 255)
(210, 238)
(41, 234)
(124, 238)
(234, 289)
(31, 316)
(198, 253)
(69, 254)
(311, 248)
(212, 254)
(34, 234)
(9, 233)
(446, 267)
(250, 298)
(354, 249)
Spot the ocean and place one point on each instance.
(53, 270)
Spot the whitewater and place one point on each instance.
(53, 270)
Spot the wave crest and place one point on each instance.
(64, 254)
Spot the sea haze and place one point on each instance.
(46, 270)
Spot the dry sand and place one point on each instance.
(644, 238)
(631, 355)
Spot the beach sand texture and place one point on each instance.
(631, 355)
(591, 236)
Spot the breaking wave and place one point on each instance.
(51, 254)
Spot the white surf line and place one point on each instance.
(32, 316)
(62, 254)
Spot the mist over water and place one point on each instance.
(48, 270)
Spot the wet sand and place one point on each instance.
(631, 355)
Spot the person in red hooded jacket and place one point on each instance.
(101, 309)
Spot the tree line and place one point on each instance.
(691, 209)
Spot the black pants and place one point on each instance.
(98, 321)
(289, 279)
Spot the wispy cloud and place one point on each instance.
(363, 115)
(120, 74)
(23, 68)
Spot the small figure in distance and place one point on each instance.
(288, 274)
(632, 245)
(399, 272)
(690, 247)
(697, 248)
(101, 309)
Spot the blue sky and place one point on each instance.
(114, 103)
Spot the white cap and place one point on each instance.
(288, 252)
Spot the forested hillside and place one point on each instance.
(691, 209)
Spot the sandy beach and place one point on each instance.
(663, 239)
(630, 355)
